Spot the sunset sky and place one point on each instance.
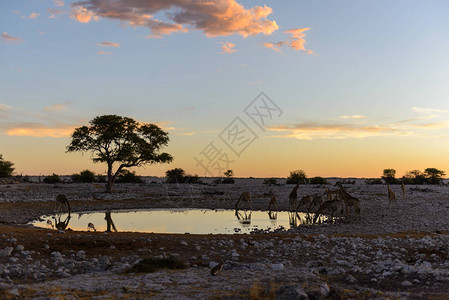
(355, 86)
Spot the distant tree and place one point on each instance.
(318, 180)
(114, 139)
(270, 181)
(389, 176)
(415, 177)
(52, 179)
(176, 175)
(298, 176)
(228, 174)
(6, 167)
(433, 175)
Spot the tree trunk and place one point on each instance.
(110, 179)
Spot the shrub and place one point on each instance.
(126, 176)
(298, 176)
(176, 175)
(374, 181)
(52, 179)
(318, 180)
(194, 179)
(228, 180)
(152, 264)
(76, 178)
(6, 167)
(101, 178)
(87, 176)
(270, 181)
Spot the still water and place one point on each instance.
(195, 221)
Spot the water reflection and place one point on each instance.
(62, 225)
(196, 221)
(244, 218)
(272, 215)
(109, 222)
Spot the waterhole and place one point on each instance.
(194, 221)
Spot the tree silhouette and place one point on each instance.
(6, 167)
(115, 139)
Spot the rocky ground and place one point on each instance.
(390, 253)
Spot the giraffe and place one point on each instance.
(244, 197)
(316, 202)
(403, 188)
(293, 197)
(348, 200)
(331, 194)
(273, 201)
(332, 206)
(391, 196)
(62, 199)
(306, 200)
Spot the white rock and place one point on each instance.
(277, 267)
(20, 248)
(81, 254)
(406, 283)
(6, 252)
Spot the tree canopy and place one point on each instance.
(115, 139)
(6, 167)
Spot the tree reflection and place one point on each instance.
(109, 222)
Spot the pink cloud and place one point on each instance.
(33, 16)
(59, 3)
(213, 17)
(108, 44)
(104, 53)
(228, 48)
(39, 130)
(296, 41)
(274, 46)
(82, 15)
(54, 12)
(8, 39)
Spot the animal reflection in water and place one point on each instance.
(91, 227)
(62, 225)
(273, 215)
(244, 217)
(294, 219)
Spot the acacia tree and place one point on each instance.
(434, 176)
(6, 167)
(114, 139)
(389, 176)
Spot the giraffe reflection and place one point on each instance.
(62, 225)
(244, 217)
(109, 222)
(272, 215)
